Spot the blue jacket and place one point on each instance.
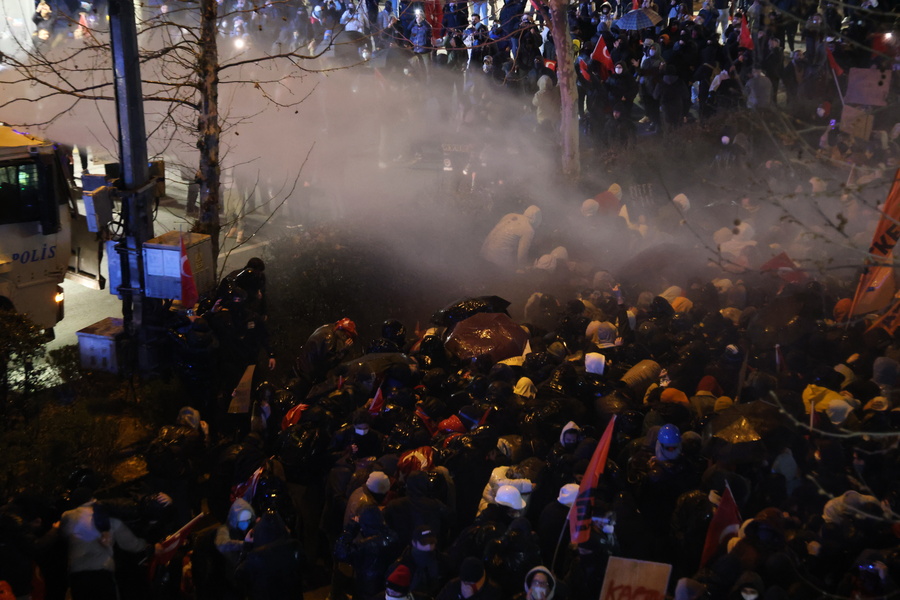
(420, 36)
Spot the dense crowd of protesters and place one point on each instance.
(691, 65)
(400, 467)
(396, 468)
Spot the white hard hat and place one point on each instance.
(509, 496)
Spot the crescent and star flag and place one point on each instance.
(725, 521)
(876, 285)
(601, 55)
(581, 513)
(189, 294)
(746, 39)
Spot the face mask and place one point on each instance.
(667, 453)
(820, 112)
(359, 431)
(749, 595)
(619, 70)
(486, 69)
(538, 593)
(243, 523)
(653, 53)
(725, 140)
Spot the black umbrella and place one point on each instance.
(779, 322)
(748, 432)
(460, 310)
(639, 18)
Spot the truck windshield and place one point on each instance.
(19, 193)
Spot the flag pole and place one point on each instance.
(559, 541)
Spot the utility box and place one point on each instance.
(162, 264)
(92, 181)
(98, 345)
(98, 205)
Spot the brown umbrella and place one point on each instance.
(494, 334)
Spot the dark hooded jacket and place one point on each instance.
(370, 546)
(273, 569)
(417, 508)
(429, 570)
(508, 558)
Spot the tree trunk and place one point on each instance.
(209, 129)
(568, 90)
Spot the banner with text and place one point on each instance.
(627, 579)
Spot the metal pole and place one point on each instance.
(135, 175)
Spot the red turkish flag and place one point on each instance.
(376, 404)
(746, 40)
(189, 294)
(725, 521)
(785, 268)
(170, 545)
(601, 54)
(833, 63)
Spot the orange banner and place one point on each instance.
(890, 320)
(875, 290)
(888, 231)
(876, 286)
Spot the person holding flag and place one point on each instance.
(601, 56)
(585, 575)
(581, 514)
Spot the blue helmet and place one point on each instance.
(669, 435)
